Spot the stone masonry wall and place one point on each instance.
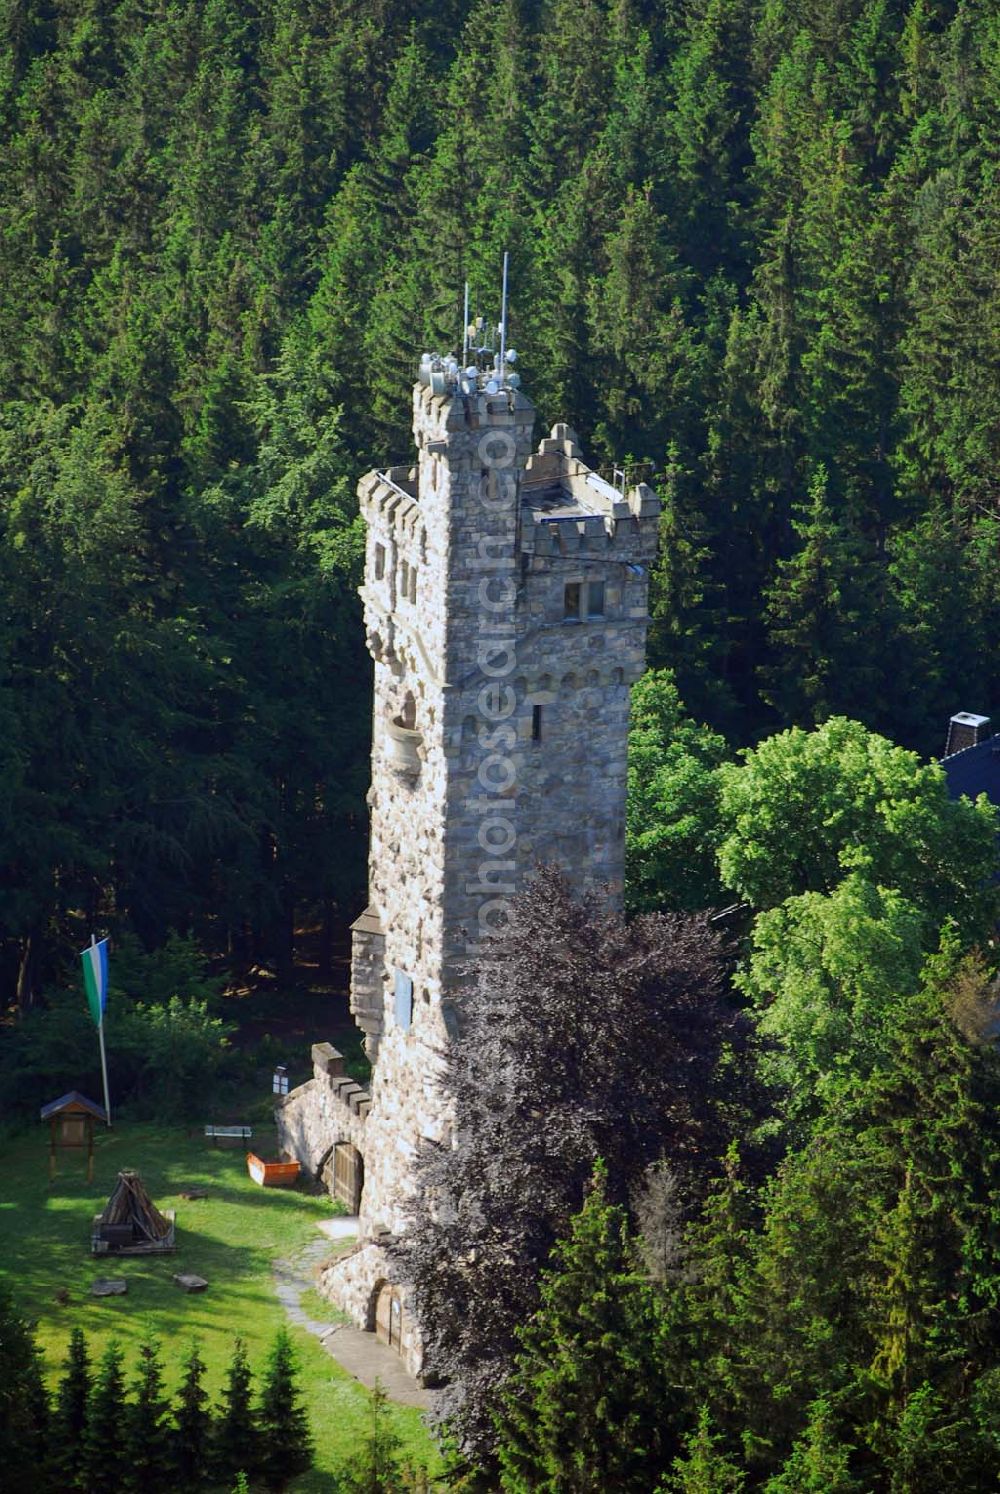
(327, 1109)
(479, 661)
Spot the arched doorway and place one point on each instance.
(389, 1316)
(348, 1175)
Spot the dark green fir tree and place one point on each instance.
(70, 1416)
(589, 1407)
(147, 1427)
(285, 1441)
(105, 1443)
(236, 1439)
(376, 1467)
(24, 1409)
(192, 1430)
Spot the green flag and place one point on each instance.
(95, 979)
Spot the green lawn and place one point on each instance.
(230, 1238)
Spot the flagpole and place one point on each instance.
(104, 1056)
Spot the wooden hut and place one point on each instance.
(131, 1224)
(71, 1127)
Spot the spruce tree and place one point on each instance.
(825, 618)
(147, 1427)
(375, 1468)
(285, 1441)
(24, 1408)
(105, 1443)
(704, 1468)
(236, 1437)
(192, 1431)
(819, 1462)
(588, 1406)
(71, 1407)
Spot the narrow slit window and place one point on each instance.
(413, 583)
(536, 723)
(595, 598)
(571, 599)
(404, 578)
(379, 562)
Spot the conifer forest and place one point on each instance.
(753, 245)
(754, 259)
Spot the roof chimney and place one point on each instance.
(965, 730)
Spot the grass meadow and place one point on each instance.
(231, 1238)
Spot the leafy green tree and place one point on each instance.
(805, 808)
(105, 1450)
(588, 1406)
(864, 1270)
(285, 1443)
(831, 975)
(671, 829)
(191, 1435)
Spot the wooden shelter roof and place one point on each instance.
(73, 1101)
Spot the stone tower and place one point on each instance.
(505, 600)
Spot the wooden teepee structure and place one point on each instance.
(131, 1224)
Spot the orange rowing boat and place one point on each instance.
(271, 1174)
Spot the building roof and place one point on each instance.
(975, 770)
(74, 1100)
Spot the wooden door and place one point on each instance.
(389, 1317)
(348, 1175)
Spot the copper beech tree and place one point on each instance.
(581, 1037)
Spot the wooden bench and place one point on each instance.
(229, 1135)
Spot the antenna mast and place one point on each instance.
(503, 316)
(465, 330)
(444, 375)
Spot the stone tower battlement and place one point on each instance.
(506, 607)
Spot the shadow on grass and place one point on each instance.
(232, 1238)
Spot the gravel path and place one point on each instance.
(359, 1353)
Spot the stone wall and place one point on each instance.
(327, 1109)
(354, 1281)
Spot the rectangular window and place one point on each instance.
(403, 991)
(595, 598)
(404, 578)
(536, 723)
(571, 599)
(379, 562)
(413, 583)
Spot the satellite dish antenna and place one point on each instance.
(439, 381)
(492, 386)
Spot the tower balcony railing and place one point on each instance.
(400, 480)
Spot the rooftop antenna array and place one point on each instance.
(485, 368)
